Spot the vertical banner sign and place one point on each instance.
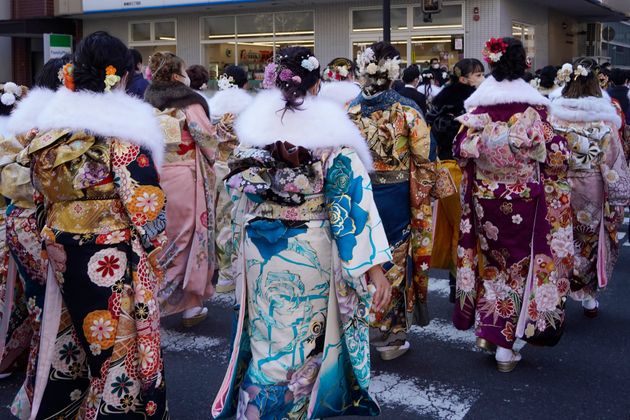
(55, 46)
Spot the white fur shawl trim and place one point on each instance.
(318, 124)
(339, 92)
(114, 114)
(587, 109)
(492, 92)
(229, 101)
(23, 118)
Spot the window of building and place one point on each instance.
(151, 36)
(526, 34)
(251, 41)
(417, 39)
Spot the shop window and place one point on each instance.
(149, 37)
(251, 41)
(367, 20)
(165, 31)
(140, 32)
(448, 49)
(526, 34)
(450, 17)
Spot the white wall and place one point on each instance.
(6, 69)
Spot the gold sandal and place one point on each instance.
(486, 345)
(507, 367)
(194, 320)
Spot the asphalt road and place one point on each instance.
(586, 376)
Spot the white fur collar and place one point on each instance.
(339, 92)
(229, 101)
(587, 109)
(491, 92)
(318, 124)
(114, 114)
(28, 110)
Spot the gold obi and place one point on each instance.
(87, 216)
(314, 208)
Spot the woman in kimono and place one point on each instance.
(311, 232)
(467, 75)
(225, 106)
(599, 176)
(188, 180)
(23, 237)
(515, 248)
(398, 140)
(94, 163)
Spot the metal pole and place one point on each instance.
(387, 21)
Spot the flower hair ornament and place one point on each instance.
(10, 93)
(374, 72)
(336, 73)
(68, 76)
(226, 82)
(111, 78)
(494, 50)
(535, 83)
(580, 70)
(277, 74)
(564, 74)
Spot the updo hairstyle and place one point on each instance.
(163, 65)
(295, 89)
(581, 86)
(513, 63)
(93, 56)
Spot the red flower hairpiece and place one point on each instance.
(494, 50)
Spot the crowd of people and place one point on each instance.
(322, 201)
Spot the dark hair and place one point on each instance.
(548, 76)
(584, 86)
(136, 57)
(163, 65)
(513, 62)
(238, 74)
(466, 67)
(48, 77)
(618, 76)
(198, 75)
(382, 51)
(291, 58)
(93, 55)
(411, 73)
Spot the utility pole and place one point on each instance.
(387, 21)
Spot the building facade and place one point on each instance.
(216, 33)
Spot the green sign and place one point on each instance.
(56, 46)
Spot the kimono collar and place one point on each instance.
(163, 95)
(229, 101)
(381, 101)
(113, 114)
(28, 109)
(317, 123)
(491, 92)
(588, 109)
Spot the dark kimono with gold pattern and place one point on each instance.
(403, 184)
(105, 221)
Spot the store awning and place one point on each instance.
(591, 10)
(29, 28)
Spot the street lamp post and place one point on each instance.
(387, 22)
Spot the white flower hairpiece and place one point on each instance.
(367, 65)
(581, 71)
(535, 83)
(11, 87)
(311, 63)
(7, 98)
(226, 82)
(564, 74)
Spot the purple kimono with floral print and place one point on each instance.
(516, 246)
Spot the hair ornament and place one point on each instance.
(226, 82)
(535, 83)
(384, 69)
(564, 74)
(580, 70)
(310, 63)
(68, 76)
(494, 50)
(111, 78)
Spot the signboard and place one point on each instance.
(92, 6)
(56, 46)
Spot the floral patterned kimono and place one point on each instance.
(311, 231)
(516, 241)
(104, 227)
(188, 180)
(398, 139)
(600, 187)
(225, 106)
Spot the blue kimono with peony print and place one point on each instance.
(311, 231)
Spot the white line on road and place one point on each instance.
(423, 399)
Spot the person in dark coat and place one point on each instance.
(138, 84)
(619, 91)
(411, 79)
